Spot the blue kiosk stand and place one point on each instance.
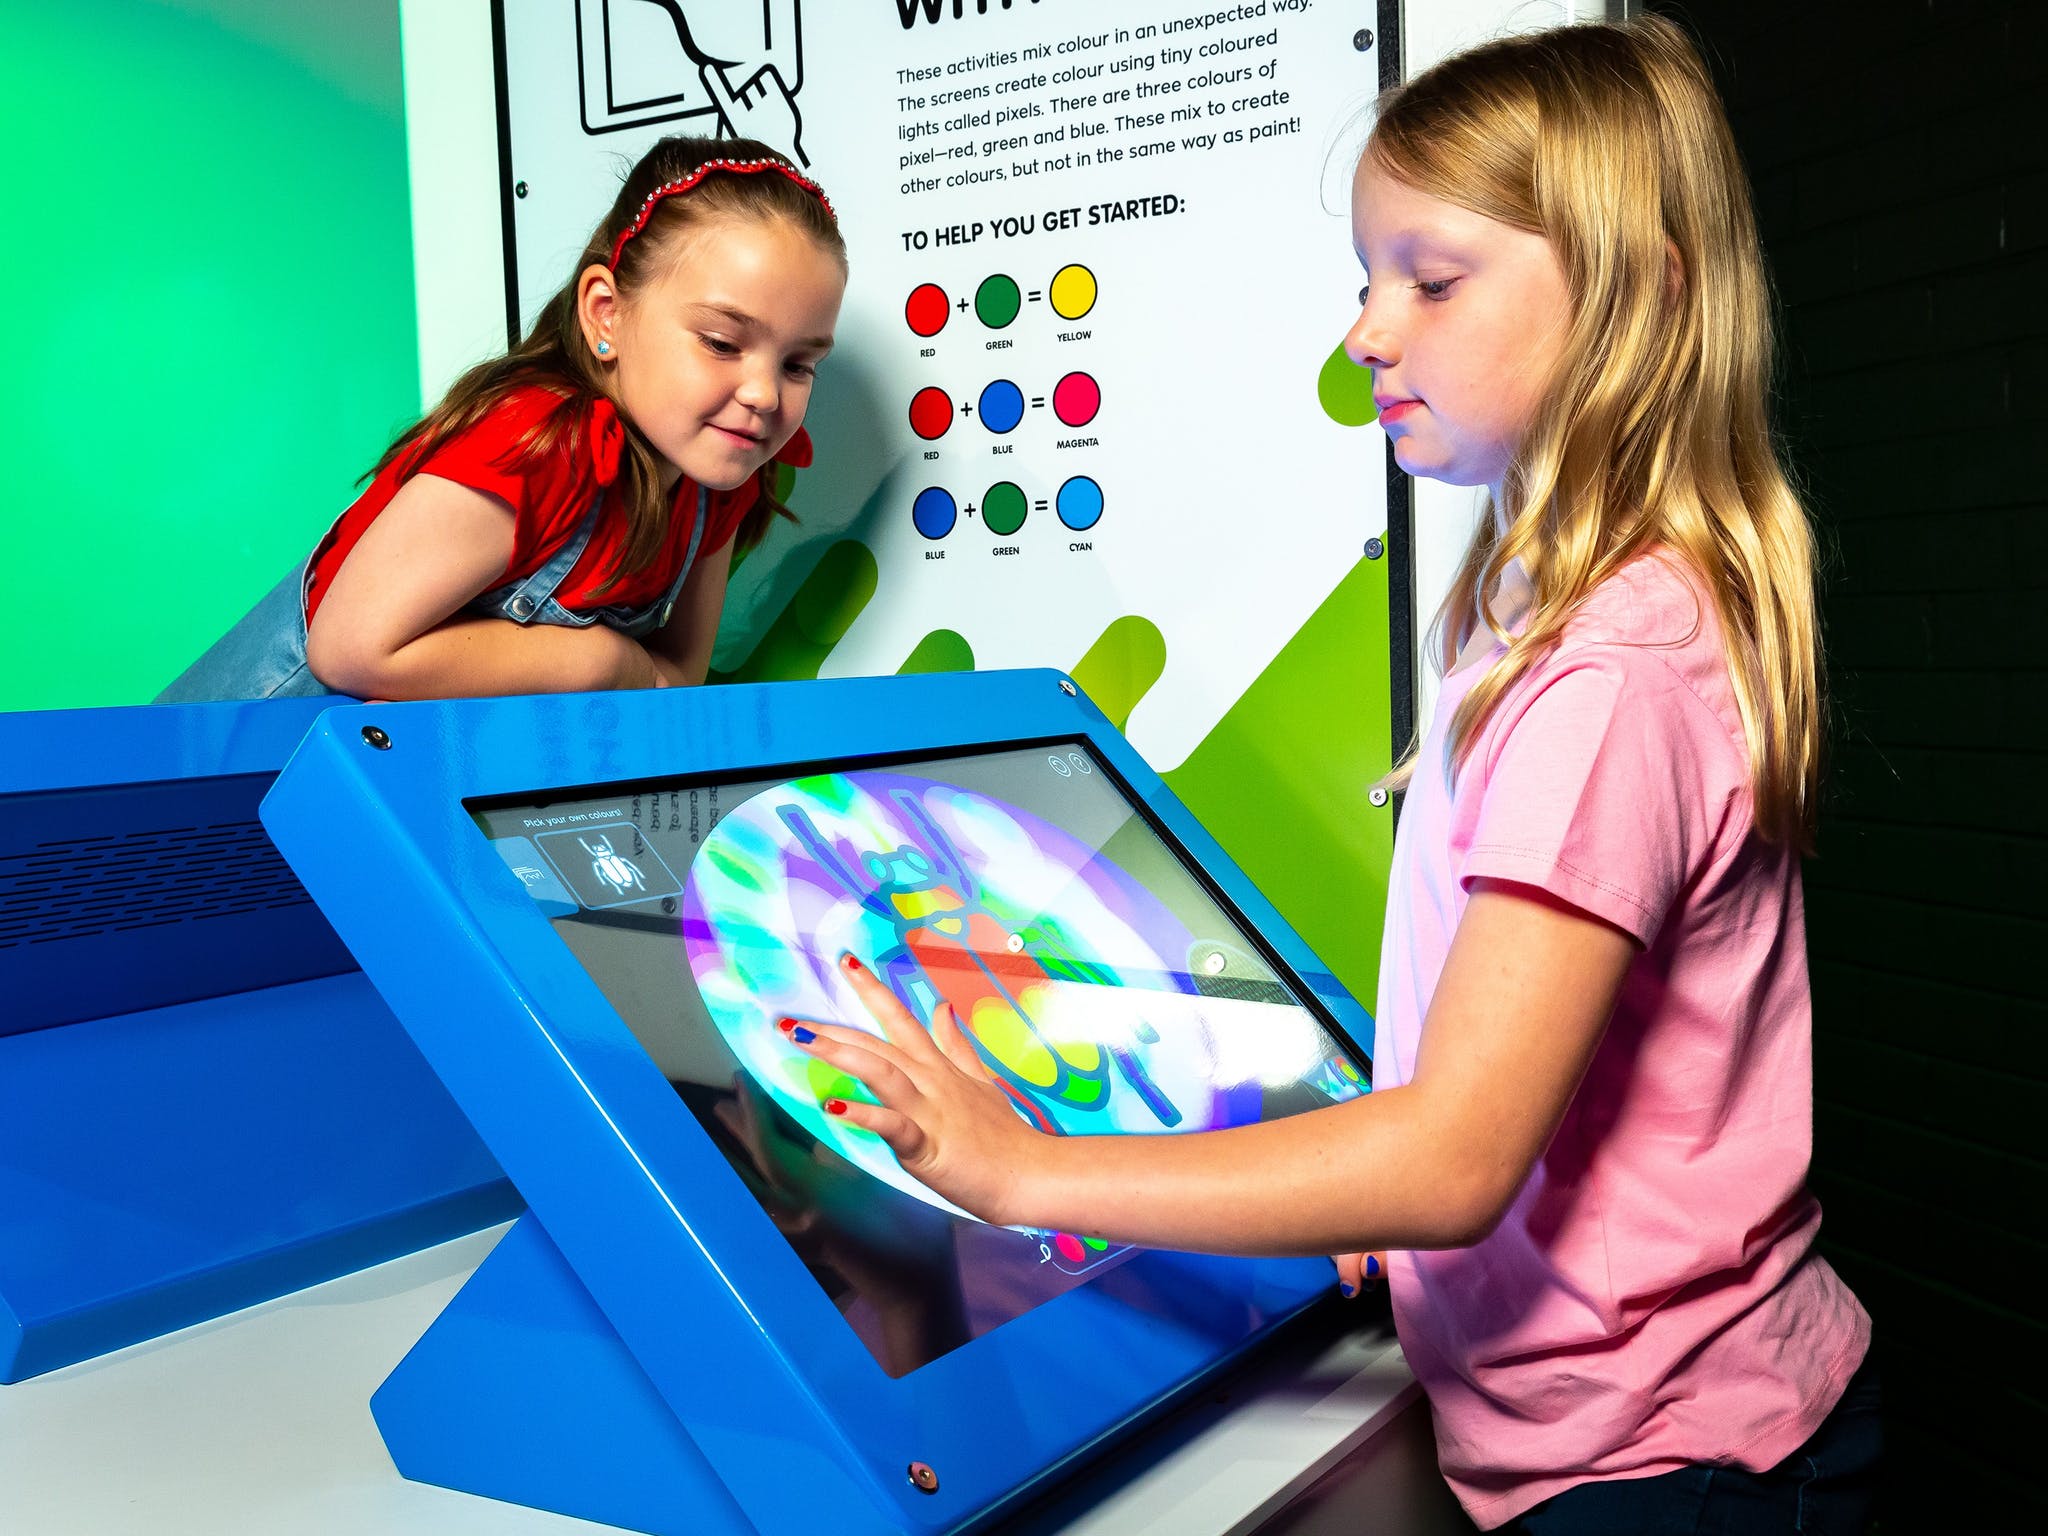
(726, 1312)
(206, 1103)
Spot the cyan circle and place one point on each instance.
(934, 513)
(1080, 503)
(1002, 406)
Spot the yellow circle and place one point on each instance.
(1073, 291)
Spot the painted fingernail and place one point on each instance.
(803, 1036)
(1372, 1267)
(1348, 1290)
(851, 963)
(785, 1025)
(835, 1106)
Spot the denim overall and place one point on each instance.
(264, 655)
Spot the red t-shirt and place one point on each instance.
(549, 495)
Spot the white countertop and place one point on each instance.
(259, 1422)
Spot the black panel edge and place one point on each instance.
(1400, 500)
(499, 79)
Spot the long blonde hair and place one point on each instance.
(1609, 140)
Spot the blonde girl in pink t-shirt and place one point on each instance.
(1585, 1153)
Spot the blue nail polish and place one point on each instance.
(1372, 1267)
(1348, 1290)
(803, 1036)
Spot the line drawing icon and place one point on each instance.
(617, 871)
(724, 69)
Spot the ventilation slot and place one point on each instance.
(78, 887)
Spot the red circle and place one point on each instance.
(931, 413)
(1070, 1247)
(927, 309)
(1076, 399)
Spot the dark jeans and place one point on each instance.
(1823, 1488)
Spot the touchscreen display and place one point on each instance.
(1107, 989)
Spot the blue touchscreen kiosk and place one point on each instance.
(203, 1102)
(729, 1311)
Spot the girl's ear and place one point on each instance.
(597, 311)
(1674, 272)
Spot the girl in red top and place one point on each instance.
(564, 519)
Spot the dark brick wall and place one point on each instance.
(1900, 162)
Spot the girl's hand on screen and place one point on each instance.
(940, 1110)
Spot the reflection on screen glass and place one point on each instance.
(1103, 985)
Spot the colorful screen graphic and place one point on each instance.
(1101, 982)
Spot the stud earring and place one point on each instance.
(604, 349)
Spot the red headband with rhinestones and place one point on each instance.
(736, 168)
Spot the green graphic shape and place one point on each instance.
(817, 617)
(1004, 508)
(997, 300)
(1345, 389)
(1121, 666)
(1280, 781)
(943, 650)
(784, 488)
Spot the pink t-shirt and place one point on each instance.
(1652, 1297)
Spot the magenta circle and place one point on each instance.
(1076, 399)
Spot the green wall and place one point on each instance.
(209, 227)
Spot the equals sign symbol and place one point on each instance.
(1038, 402)
(1038, 506)
(1035, 295)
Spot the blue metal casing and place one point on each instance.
(207, 1105)
(787, 1409)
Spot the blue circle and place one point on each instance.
(1002, 406)
(934, 513)
(1080, 503)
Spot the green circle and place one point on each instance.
(997, 301)
(1345, 390)
(1003, 508)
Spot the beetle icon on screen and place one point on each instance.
(621, 874)
(607, 866)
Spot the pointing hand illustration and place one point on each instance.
(762, 108)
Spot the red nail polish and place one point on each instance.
(785, 1025)
(851, 963)
(835, 1106)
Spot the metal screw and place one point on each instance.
(1376, 795)
(1362, 39)
(519, 189)
(925, 1479)
(374, 735)
(1067, 687)
(1374, 549)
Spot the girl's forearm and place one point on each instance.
(670, 673)
(1519, 1008)
(1377, 1172)
(475, 657)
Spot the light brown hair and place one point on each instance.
(554, 357)
(1609, 141)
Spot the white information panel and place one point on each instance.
(1087, 391)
